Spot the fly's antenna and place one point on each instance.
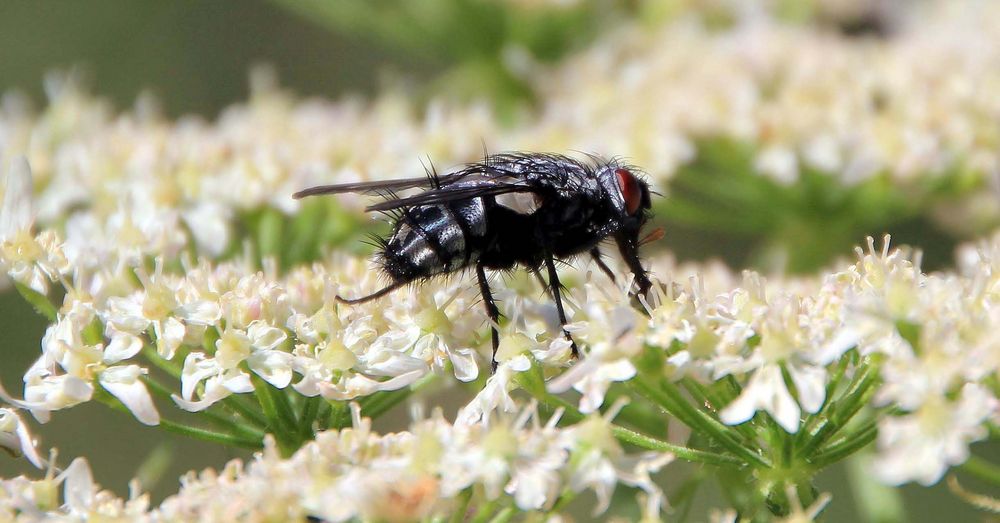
(654, 235)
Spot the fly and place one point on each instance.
(508, 210)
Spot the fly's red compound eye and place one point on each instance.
(630, 190)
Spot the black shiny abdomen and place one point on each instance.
(435, 239)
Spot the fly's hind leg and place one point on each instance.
(375, 295)
(556, 289)
(595, 253)
(491, 311)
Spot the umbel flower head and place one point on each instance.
(431, 470)
(907, 356)
(177, 274)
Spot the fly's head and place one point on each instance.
(632, 205)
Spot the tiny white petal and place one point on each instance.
(169, 335)
(209, 223)
(264, 336)
(124, 384)
(273, 366)
(122, 347)
(78, 487)
(196, 368)
(15, 212)
(200, 312)
(766, 391)
(464, 363)
(810, 382)
(14, 436)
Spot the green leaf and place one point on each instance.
(38, 301)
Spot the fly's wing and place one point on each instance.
(454, 192)
(380, 187)
(482, 179)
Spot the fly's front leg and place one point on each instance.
(556, 289)
(491, 311)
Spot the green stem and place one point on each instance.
(236, 405)
(171, 368)
(339, 416)
(279, 401)
(982, 469)
(212, 436)
(283, 434)
(632, 437)
(179, 428)
(218, 419)
(325, 411)
(846, 447)
(461, 506)
(831, 388)
(484, 511)
(309, 412)
(643, 441)
(696, 419)
(635, 414)
(708, 397)
(504, 515)
(382, 402)
(841, 411)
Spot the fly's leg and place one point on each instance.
(595, 253)
(541, 281)
(556, 287)
(375, 295)
(491, 311)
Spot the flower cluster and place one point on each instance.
(776, 368)
(223, 323)
(177, 273)
(434, 469)
(917, 105)
(917, 349)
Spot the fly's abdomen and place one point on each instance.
(434, 239)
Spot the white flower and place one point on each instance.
(123, 383)
(607, 326)
(495, 397)
(219, 382)
(158, 305)
(46, 389)
(787, 343)
(258, 346)
(16, 216)
(440, 326)
(29, 259)
(766, 391)
(15, 438)
(920, 446)
(45, 393)
(597, 460)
